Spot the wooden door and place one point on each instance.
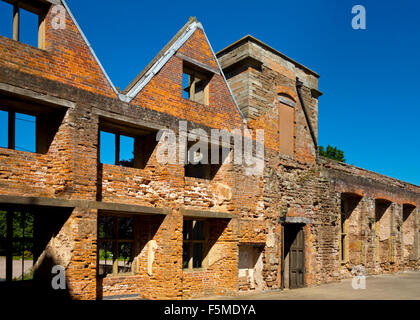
(297, 260)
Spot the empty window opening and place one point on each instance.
(107, 147)
(382, 229)
(20, 131)
(185, 86)
(125, 146)
(407, 211)
(24, 22)
(408, 230)
(16, 245)
(126, 151)
(117, 149)
(201, 164)
(6, 19)
(194, 244)
(200, 169)
(28, 126)
(4, 129)
(115, 244)
(344, 235)
(195, 84)
(25, 132)
(28, 27)
(349, 203)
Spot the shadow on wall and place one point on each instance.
(145, 228)
(45, 224)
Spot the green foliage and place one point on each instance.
(332, 153)
(23, 225)
(127, 163)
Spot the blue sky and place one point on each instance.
(369, 77)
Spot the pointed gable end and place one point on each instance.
(185, 80)
(63, 53)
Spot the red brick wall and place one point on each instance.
(66, 59)
(164, 91)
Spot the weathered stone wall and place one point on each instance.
(296, 186)
(376, 227)
(293, 186)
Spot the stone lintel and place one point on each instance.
(36, 96)
(198, 63)
(136, 123)
(303, 220)
(80, 203)
(207, 214)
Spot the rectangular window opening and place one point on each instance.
(107, 147)
(195, 84)
(28, 27)
(132, 149)
(6, 19)
(126, 158)
(4, 129)
(343, 230)
(194, 242)
(185, 86)
(25, 132)
(199, 169)
(24, 21)
(115, 244)
(16, 245)
(18, 131)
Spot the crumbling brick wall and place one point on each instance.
(292, 185)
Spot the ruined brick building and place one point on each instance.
(175, 231)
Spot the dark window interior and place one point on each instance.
(193, 244)
(202, 170)
(16, 245)
(115, 244)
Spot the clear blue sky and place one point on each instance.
(370, 78)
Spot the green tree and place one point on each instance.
(332, 153)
